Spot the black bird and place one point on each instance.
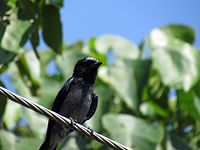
(75, 100)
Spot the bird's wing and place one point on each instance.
(58, 102)
(62, 94)
(93, 107)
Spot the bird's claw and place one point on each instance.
(91, 131)
(71, 121)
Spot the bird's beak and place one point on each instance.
(96, 64)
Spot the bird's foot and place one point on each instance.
(91, 131)
(72, 121)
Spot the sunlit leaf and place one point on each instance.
(12, 114)
(36, 122)
(104, 105)
(14, 32)
(28, 142)
(67, 61)
(132, 131)
(179, 59)
(7, 140)
(120, 47)
(17, 82)
(152, 109)
(180, 32)
(49, 92)
(29, 69)
(121, 75)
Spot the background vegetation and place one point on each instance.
(149, 94)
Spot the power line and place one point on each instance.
(62, 120)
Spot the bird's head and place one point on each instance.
(87, 68)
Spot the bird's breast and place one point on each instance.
(77, 102)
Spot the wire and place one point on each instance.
(62, 120)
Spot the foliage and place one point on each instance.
(149, 94)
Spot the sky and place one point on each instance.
(132, 19)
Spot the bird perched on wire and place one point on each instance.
(75, 100)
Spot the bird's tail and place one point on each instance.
(46, 146)
(43, 146)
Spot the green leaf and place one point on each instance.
(6, 56)
(7, 140)
(2, 29)
(46, 57)
(175, 56)
(189, 103)
(3, 9)
(121, 75)
(104, 106)
(14, 32)
(176, 142)
(28, 142)
(12, 114)
(152, 109)
(48, 92)
(29, 69)
(17, 82)
(181, 32)
(27, 9)
(68, 60)
(120, 47)
(36, 122)
(56, 3)
(52, 28)
(132, 131)
(141, 71)
(35, 40)
(3, 68)
(156, 91)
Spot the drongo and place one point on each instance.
(75, 100)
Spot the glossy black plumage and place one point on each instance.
(75, 100)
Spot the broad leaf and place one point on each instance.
(180, 32)
(27, 9)
(36, 122)
(12, 114)
(189, 103)
(14, 32)
(152, 109)
(52, 27)
(30, 143)
(121, 78)
(179, 60)
(29, 69)
(132, 131)
(6, 56)
(2, 29)
(120, 47)
(67, 61)
(7, 140)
